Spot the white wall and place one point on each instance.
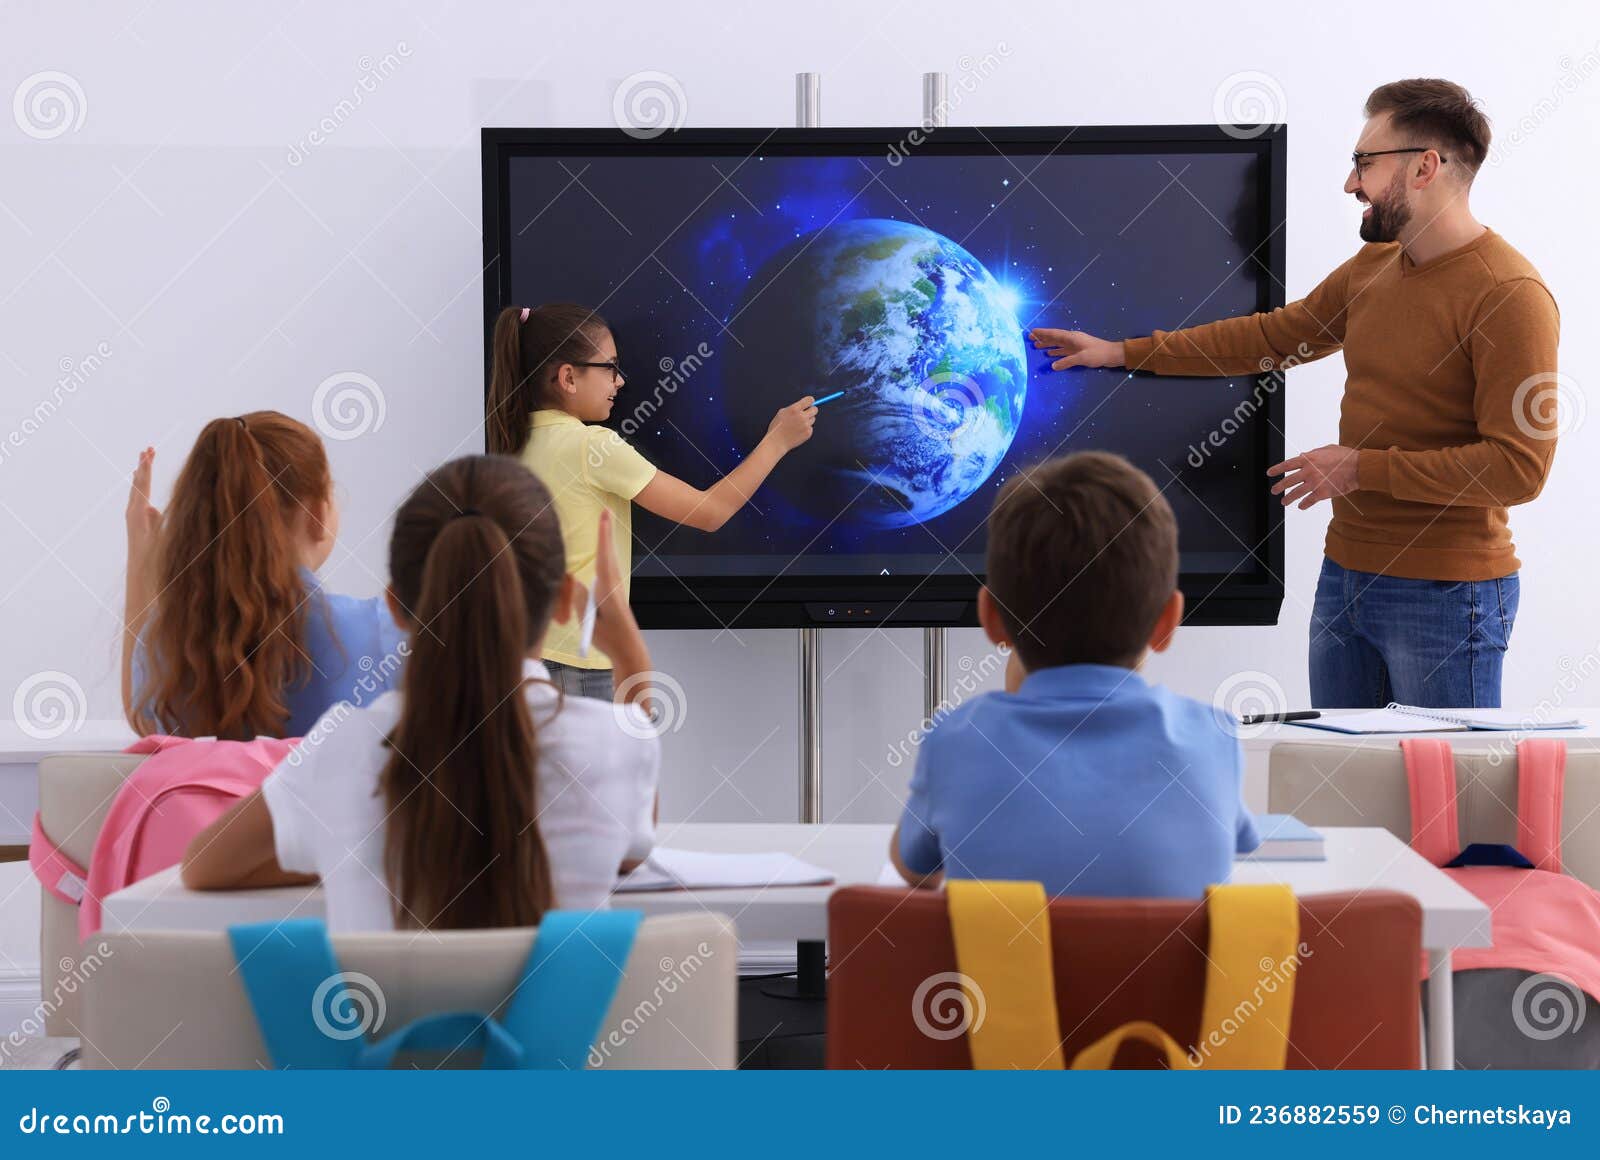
(171, 227)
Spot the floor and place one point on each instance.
(39, 1055)
(20, 1016)
(779, 1033)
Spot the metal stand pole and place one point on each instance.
(808, 115)
(810, 725)
(807, 100)
(811, 957)
(933, 672)
(934, 104)
(935, 109)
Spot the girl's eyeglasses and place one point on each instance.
(617, 377)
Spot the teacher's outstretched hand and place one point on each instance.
(1074, 348)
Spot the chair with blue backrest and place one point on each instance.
(176, 999)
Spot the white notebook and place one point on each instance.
(670, 869)
(1396, 718)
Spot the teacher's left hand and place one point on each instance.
(1316, 475)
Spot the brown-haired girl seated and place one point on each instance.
(478, 795)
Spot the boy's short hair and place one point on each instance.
(1083, 556)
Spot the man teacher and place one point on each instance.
(1447, 419)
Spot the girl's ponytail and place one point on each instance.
(511, 401)
(528, 344)
(225, 638)
(462, 847)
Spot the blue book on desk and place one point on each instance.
(1285, 839)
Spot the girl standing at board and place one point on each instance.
(555, 377)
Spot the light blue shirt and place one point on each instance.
(355, 652)
(1088, 780)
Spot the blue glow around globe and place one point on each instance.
(926, 346)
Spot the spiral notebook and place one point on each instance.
(1395, 718)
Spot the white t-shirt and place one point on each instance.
(595, 789)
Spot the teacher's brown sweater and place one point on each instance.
(1450, 396)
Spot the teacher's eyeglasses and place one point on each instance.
(1359, 159)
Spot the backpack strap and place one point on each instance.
(312, 1014)
(300, 996)
(449, 1034)
(568, 983)
(1001, 932)
(1431, 779)
(1252, 956)
(1541, 782)
(1251, 962)
(60, 876)
(1101, 1055)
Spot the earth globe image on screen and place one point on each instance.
(922, 340)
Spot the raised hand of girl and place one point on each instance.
(143, 518)
(616, 632)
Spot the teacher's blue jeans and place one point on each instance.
(1435, 643)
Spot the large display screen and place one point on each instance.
(741, 271)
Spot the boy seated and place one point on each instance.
(1081, 775)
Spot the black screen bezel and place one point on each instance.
(928, 600)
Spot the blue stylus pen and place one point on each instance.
(826, 399)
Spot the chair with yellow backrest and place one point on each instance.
(898, 996)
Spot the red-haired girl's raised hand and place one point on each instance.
(144, 520)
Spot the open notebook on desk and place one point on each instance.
(670, 869)
(1395, 718)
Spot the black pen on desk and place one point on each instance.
(1279, 718)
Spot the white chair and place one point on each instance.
(1365, 785)
(175, 999)
(75, 794)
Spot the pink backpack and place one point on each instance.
(182, 788)
(1544, 921)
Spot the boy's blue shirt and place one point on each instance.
(1087, 779)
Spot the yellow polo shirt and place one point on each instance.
(588, 469)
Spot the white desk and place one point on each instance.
(20, 753)
(1258, 743)
(1358, 859)
(855, 854)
